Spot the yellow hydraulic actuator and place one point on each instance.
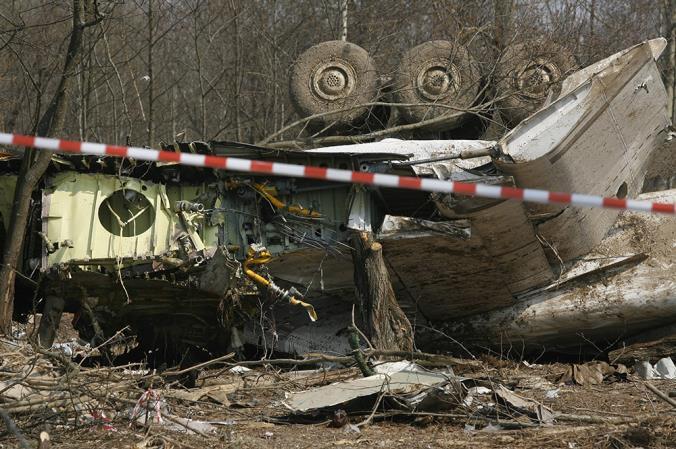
(294, 209)
(259, 255)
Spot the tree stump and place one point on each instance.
(49, 323)
(388, 327)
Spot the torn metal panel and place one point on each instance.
(360, 214)
(588, 266)
(411, 149)
(510, 239)
(408, 151)
(505, 232)
(657, 46)
(446, 277)
(284, 330)
(91, 212)
(604, 306)
(339, 393)
(523, 405)
(395, 227)
(316, 270)
(596, 139)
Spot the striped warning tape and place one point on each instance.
(331, 174)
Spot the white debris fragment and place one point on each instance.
(395, 367)
(474, 391)
(396, 383)
(552, 394)
(135, 372)
(531, 365)
(351, 428)
(72, 348)
(665, 368)
(480, 390)
(645, 370)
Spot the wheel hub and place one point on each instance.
(333, 80)
(537, 76)
(437, 79)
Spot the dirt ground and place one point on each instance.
(663, 162)
(610, 415)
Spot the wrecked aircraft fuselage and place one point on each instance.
(195, 258)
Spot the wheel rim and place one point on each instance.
(333, 80)
(437, 79)
(536, 76)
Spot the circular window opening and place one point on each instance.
(126, 213)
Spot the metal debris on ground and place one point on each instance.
(663, 369)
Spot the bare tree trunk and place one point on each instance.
(151, 81)
(592, 24)
(670, 21)
(343, 14)
(238, 68)
(502, 10)
(33, 167)
(387, 326)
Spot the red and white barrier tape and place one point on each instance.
(332, 174)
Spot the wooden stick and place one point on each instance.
(660, 394)
(14, 430)
(199, 365)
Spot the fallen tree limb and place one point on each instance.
(660, 394)
(317, 358)
(14, 430)
(434, 359)
(199, 365)
(597, 419)
(458, 416)
(459, 112)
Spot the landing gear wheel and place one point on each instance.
(527, 74)
(332, 76)
(439, 72)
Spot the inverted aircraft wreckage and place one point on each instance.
(185, 258)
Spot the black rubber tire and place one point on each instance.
(518, 94)
(440, 72)
(330, 76)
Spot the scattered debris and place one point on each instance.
(523, 405)
(663, 369)
(593, 373)
(552, 394)
(389, 383)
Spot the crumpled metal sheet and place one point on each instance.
(395, 227)
(418, 150)
(393, 383)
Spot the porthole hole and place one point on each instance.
(127, 213)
